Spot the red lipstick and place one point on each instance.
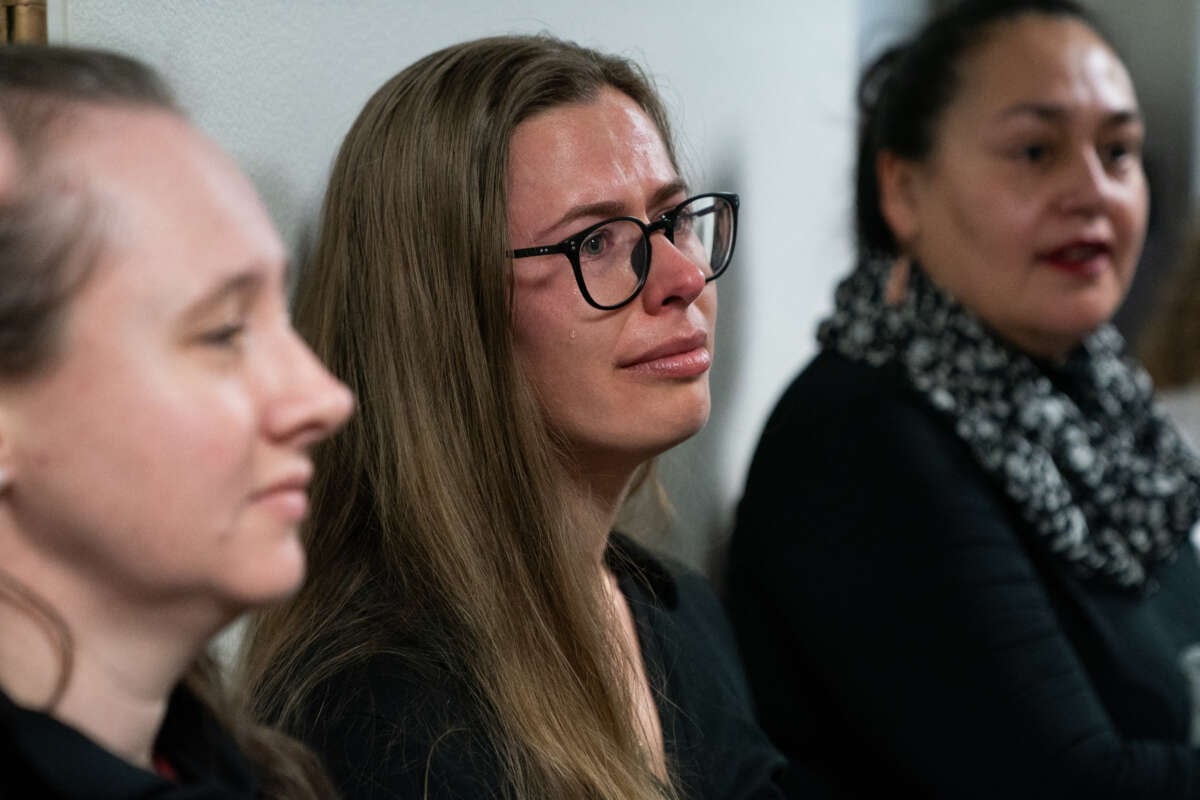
(1085, 258)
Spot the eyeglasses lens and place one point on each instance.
(703, 231)
(614, 258)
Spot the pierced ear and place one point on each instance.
(898, 196)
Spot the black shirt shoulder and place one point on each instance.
(43, 758)
(389, 729)
(712, 738)
(903, 629)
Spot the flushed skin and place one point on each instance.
(622, 386)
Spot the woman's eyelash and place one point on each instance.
(224, 335)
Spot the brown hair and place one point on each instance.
(48, 242)
(441, 528)
(1169, 347)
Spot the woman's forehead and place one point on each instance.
(1043, 60)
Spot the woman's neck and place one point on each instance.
(121, 665)
(600, 493)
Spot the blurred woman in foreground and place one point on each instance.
(156, 409)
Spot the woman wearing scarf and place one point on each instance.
(961, 565)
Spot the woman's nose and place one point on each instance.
(309, 403)
(1086, 183)
(674, 278)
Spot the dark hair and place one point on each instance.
(49, 239)
(903, 93)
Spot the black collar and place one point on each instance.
(40, 750)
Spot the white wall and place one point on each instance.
(760, 93)
(881, 23)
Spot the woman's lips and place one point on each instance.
(288, 496)
(289, 504)
(680, 357)
(687, 364)
(1085, 259)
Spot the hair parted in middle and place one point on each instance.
(441, 526)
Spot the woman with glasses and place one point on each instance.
(516, 277)
(961, 566)
(156, 412)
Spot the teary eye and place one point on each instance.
(594, 245)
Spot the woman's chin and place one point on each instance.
(269, 580)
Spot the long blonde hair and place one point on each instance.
(440, 527)
(48, 246)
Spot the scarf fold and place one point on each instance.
(1082, 450)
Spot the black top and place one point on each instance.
(386, 731)
(905, 633)
(42, 758)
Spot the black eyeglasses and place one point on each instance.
(611, 259)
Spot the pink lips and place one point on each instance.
(1082, 257)
(288, 496)
(678, 357)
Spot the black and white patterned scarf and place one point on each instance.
(1097, 471)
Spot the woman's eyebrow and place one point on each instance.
(612, 208)
(243, 282)
(667, 191)
(608, 208)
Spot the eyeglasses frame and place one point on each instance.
(569, 247)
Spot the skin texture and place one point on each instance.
(571, 167)
(158, 464)
(1039, 151)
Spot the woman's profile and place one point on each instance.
(156, 409)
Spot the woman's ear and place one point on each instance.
(898, 196)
